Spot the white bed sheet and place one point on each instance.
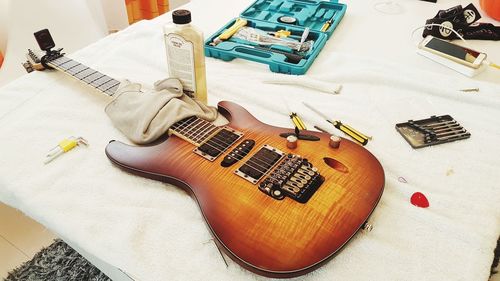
(154, 231)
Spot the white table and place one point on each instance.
(153, 231)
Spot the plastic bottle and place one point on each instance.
(185, 55)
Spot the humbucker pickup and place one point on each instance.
(218, 143)
(260, 163)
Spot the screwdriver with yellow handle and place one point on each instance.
(328, 23)
(297, 121)
(226, 34)
(348, 130)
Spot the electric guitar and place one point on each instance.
(276, 211)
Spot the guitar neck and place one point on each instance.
(87, 75)
(193, 129)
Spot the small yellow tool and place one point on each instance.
(348, 130)
(297, 121)
(282, 33)
(64, 146)
(239, 23)
(327, 24)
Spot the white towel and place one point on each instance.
(155, 231)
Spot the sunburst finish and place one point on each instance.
(277, 238)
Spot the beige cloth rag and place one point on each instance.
(144, 116)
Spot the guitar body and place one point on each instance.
(276, 211)
(275, 238)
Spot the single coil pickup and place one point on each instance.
(294, 177)
(260, 164)
(217, 144)
(238, 153)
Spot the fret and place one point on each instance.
(91, 78)
(81, 75)
(203, 132)
(185, 127)
(209, 131)
(68, 65)
(98, 82)
(111, 91)
(77, 69)
(178, 124)
(197, 124)
(108, 85)
(57, 62)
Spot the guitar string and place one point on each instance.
(204, 129)
(216, 140)
(192, 132)
(254, 162)
(58, 63)
(266, 169)
(195, 128)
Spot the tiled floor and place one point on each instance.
(20, 238)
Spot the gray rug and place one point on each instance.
(57, 262)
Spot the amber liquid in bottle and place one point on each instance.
(185, 55)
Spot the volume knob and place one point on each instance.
(334, 141)
(291, 142)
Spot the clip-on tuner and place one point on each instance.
(46, 43)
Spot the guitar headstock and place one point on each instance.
(33, 61)
(40, 61)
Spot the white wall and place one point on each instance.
(115, 13)
(72, 23)
(3, 24)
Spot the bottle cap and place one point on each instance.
(181, 16)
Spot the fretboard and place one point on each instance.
(193, 129)
(86, 75)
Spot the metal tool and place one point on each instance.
(226, 34)
(432, 131)
(64, 146)
(290, 57)
(348, 130)
(287, 19)
(303, 38)
(328, 23)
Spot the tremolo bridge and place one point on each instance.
(287, 175)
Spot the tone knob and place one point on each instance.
(291, 142)
(334, 141)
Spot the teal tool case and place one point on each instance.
(266, 15)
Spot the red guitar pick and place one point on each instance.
(419, 200)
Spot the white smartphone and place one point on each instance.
(452, 51)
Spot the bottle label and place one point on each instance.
(180, 59)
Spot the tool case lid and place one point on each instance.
(308, 13)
